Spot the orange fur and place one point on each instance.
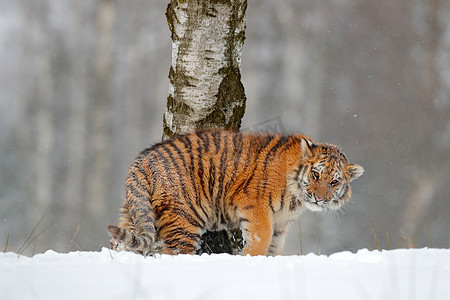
(212, 180)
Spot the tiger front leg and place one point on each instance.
(257, 232)
(278, 239)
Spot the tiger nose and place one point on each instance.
(317, 198)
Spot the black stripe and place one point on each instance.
(188, 145)
(305, 170)
(205, 138)
(346, 188)
(144, 241)
(151, 166)
(132, 214)
(203, 186)
(283, 193)
(222, 218)
(247, 183)
(237, 146)
(271, 204)
(248, 158)
(301, 171)
(266, 179)
(200, 170)
(217, 138)
(222, 170)
(212, 176)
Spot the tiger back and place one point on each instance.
(214, 180)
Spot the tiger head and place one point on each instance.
(323, 178)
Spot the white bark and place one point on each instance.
(207, 43)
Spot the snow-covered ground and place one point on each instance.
(395, 274)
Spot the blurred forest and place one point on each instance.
(83, 87)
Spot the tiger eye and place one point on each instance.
(334, 182)
(315, 175)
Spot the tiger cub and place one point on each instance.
(214, 180)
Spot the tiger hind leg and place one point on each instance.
(179, 236)
(123, 240)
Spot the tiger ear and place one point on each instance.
(307, 147)
(354, 171)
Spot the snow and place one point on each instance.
(394, 274)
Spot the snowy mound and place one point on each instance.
(396, 274)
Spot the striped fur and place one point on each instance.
(213, 180)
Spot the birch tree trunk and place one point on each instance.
(205, 88)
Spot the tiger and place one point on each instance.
(211, 180)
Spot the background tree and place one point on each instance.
(205, 88)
